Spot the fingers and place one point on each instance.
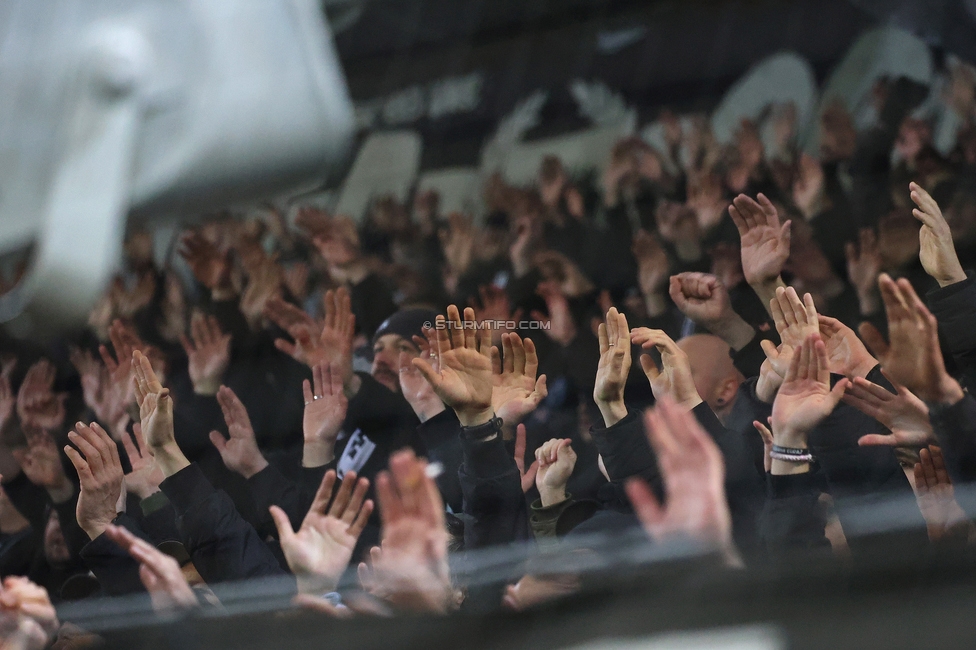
(873, 339)
(342, 497)
(217, 440)
(318, 380)
(520, 448)
(496, 360)
(283, 524)
(508, 361)
(604, 339)
(877, 440)
(518, 351)
(531, 359)
(645, 504)
(455, 331)
(324, 494)
(80, 464)
(307, 392)
(650, 368)
(764, 432)
(129, 445)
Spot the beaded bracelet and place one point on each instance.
(792, 458)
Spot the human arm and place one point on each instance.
(240, 452)
(703, 299)
(613, 368)
(937, 252)
(764, 243)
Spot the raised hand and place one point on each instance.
(703, 299)
(614, 367)
(805, 398)
(37, 404)
(8, 399)
(906, 416)
(146, 475)
(845, 353)
(208, 264)
(765, 244)
(675, 380)
(411, 571)
(652, 270)
(160, 574)
(693, 473)
(119, 391)
(515, 390)
(325, 411)
(863, 267)
(96, 386)
(808, 187)
(264, 283)
(556, 460)
(773, 370)
(938, 254)
(26, 608)
(299, 325)
(795, 320)
(913, 357)
(936, 497)
(767, 438)
(100, 474)
(527, 476)
(208, 353)
(41, 464)
(240, 453)
(562, 327)
(415, 389)
(338, 333)
(321, 549)
(156, 416)
(463, 380)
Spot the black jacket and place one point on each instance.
(221, 543)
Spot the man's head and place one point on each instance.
(715, 377)
(393, 336)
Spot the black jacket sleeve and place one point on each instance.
(955, 429)
(270, 487)
(626, 452)
(743, 483)
(860, 476)
(223, 546)
(954, 307)
(116, 570)
(792, 518)
(494, 505)
(441, 436)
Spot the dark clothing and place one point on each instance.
(494, 505)
(441, 436)
(221, 543)
(792, 518)
(955, 429)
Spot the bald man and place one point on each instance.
(716, 378)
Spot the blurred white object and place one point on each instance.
(386, 164)
(459, 189)
(150, 107)
(883, 52)
(784, 78)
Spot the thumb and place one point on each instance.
(786, 233)
(427, 371)
(650, 368)
(219, 442)
(876, 439)
(282, 523)
(873, 339)
(837, 392)
(769, 348)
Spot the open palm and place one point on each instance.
(515, 390)
(805, 398)
(321, 549)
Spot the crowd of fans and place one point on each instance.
(299, 399)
